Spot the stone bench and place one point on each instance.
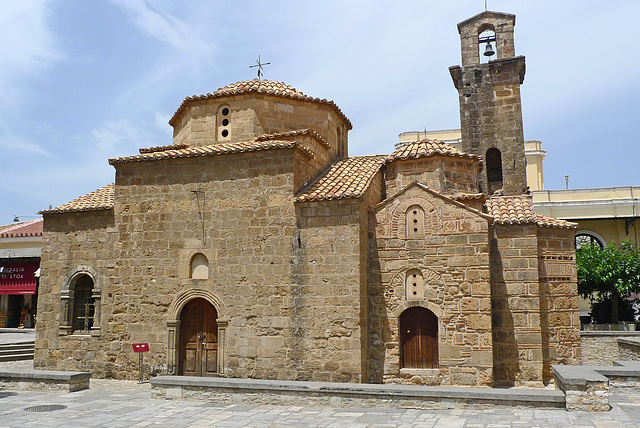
(588, 387)
(258, 391)
(43, 380)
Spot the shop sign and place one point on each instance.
(18, 278)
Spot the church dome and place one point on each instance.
(255, 86)
(263, 86)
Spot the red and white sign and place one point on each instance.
(140, 347)
(21, 278)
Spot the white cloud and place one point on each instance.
(28, 47)
(119, 136)
(163, 26)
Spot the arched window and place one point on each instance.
(224, 123)
(415, 221)
(199, 267)
(414, 285)
(583, 239)
(83, 304)
(418, 339)
(80, 297)
(494, 169)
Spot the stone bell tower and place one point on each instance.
(490, 106)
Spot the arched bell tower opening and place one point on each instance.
(489, 97)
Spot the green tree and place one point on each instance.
(606, 273)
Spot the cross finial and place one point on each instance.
(259, 65)
(485, 5)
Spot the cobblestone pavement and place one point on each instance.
(111, 403)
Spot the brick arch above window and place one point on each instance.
(398, 217)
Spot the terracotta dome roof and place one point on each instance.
(261, 87)
(255, 85)
(426, 148)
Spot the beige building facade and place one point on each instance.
(254, 246)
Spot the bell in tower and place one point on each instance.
(490, 105)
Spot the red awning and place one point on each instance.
(20, 280)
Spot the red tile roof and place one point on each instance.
(347, 178)
(519, 210)
(23, 229)
(270, 87)
(427, 148)
(101, 199)
(295, 133)
(213, 150)
(162, 148)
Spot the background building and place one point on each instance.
(20, 250)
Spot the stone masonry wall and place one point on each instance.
(71, 243)
(560, 322)
(602, 348)
(517, 335)
(288, 312)
(445, 175)
(452, 257)
(258, 114)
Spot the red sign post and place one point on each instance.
(140, 349)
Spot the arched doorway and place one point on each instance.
(198, 339)
(418, 339)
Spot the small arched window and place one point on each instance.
(199, 267)
(494, 169)
(224, 123)
(415, 221)
(414, 285)
(83, 304)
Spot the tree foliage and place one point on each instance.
(611, 271)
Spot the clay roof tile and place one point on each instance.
(347, 178)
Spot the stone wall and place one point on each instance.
(453, 261)
(602, 348)
(445, 175)
(285, 280)
(517, 339)
(69, 249)
(560, 322)
(254, 114)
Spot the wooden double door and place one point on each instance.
(418, 339)
(198, 339)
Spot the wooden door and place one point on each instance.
(198, 339)
(418, 339)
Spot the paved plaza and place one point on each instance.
(112, 403)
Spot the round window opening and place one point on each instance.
(225, 111)
(225, 132)
(225, 122)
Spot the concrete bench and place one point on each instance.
(258, 391)
(588, 387)
(44, 380)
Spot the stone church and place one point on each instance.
(254, 246)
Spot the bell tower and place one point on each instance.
(489, 96)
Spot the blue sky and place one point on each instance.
(82, 81)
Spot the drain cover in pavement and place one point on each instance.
(45, 408)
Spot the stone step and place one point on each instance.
(17, 351)
(16, 357)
